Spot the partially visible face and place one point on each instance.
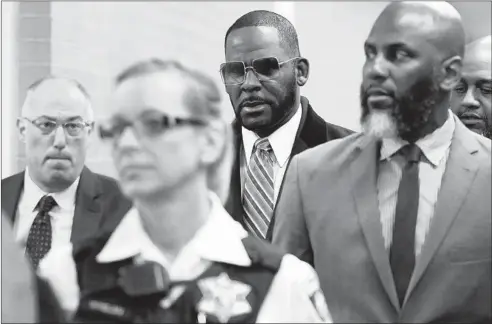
(148, 166)
(261, 106)
(471, 100)
(400, 81)
(55, 160)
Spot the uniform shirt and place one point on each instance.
(435, 147)
(281, 140)
(294, 295)
(61, 216)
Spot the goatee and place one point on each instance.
(410, 115)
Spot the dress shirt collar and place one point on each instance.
(65, 199)
(433, 145)
(219, 239)
(281, 140)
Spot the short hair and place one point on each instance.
(286, 31)
(203, 98)
(77, 84)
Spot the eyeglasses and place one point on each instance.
(47, 126)
(266, 68)
(148, 126)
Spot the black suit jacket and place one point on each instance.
(99, 204)
(313, 130)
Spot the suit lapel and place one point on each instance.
(461, 168)
(234, 203)
(363, 171)
(11, 193)
(88, 207)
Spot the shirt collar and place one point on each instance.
(219, 239)
(281, 139)
(65, 199)
(433, 145)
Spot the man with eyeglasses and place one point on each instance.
(263, 74)
(471, 100)
(177, 256)
(57, 200)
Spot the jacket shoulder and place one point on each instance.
(337, 152)
(13, 179)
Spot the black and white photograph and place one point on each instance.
(246, 161)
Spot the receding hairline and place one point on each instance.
(31, 90)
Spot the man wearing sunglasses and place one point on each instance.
(177, 256)
(56, 199)
(263, 74)
(471, 100)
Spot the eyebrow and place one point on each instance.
(66, 119)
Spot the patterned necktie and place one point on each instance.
(258, 194)
(39, 239)
(402, 251)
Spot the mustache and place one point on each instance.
(253, 99)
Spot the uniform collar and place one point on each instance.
(65, 199)
(434, 145)
(218, 240)
(281, 139)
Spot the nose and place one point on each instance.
(251, 82)
(60, 138)
(127, 138)
(469, 101)
(377, 69)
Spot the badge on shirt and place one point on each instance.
(224, 298)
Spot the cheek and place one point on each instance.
(487, 106)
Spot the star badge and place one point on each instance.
(224, 298)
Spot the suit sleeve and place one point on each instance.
(295, 296)
(289, 230)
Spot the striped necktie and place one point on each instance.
(258, 194)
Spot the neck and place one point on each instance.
(268, 131)
(172, 219)
(439, 117)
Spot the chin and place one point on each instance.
(380, 124)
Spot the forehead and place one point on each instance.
(477, 63)
(248, 43)
(57, 98)
(162, 91)
(412, 29)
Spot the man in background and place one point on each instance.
(57, 199)
(471, 100)
(397, 219)
(263, 74)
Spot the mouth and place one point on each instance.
(253, 107)
(472, 120)
(378, 98)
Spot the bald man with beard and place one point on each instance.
(397, 219)
(471, 99)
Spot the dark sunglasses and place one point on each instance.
(266, 68)
(147, 127)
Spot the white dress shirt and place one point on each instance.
(61, 215)
(281, 140)
(435, 147)
(294, 296)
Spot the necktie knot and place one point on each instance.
(412, 152)
(263, 144)
(46, 204)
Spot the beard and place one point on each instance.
(279, 112)
(411, 113)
